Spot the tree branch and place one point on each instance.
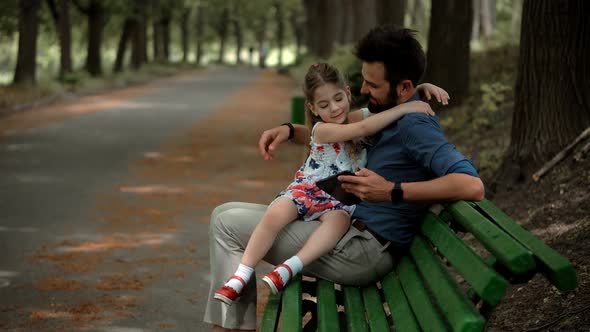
(561, 155)
(53, 10)
(84, 10)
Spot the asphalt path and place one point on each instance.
(51, 177)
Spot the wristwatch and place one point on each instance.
(397, 194)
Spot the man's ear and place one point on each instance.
(405, 90)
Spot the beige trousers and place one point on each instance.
(357, 259)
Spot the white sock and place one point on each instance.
(244, 272)
(296, 266)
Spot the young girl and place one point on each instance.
(334, 148)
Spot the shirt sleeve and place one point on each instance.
(424, 141)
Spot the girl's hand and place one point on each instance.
(430, 90)
(415, 107)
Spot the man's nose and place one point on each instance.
(364, 89)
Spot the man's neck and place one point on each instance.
(409, 95)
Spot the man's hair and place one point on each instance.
(399, 51)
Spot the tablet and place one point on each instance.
(332, 186)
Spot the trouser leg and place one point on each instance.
(358, 258)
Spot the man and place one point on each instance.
(409, 165)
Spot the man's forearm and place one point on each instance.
(451, 187)
(301, 134)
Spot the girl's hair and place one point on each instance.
(320, 74)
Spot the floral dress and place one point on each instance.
(324, 160)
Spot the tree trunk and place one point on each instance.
(416, 12)
(199, 34)
(61, 17)
(476, 24)
(366, 17)
(222, 31)
(96, 20)
(488, 13)
(447, 32)
(312, 25)
(552, 92)
(347, 31)
(280, 31)
(297, 27)
(158, 35)
(184, 33)
(166, 36)
(28, 26)
(391, 11)
(260, 38)
(138, 41)
(128, 27)
(516, 10)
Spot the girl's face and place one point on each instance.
(331, 103)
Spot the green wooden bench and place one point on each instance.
(445, 283)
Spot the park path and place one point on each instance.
(105, 200)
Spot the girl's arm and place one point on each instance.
(426, 90)
(333, 132)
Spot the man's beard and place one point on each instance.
(389, 103)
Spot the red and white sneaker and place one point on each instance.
(227, 294)
(274, 281)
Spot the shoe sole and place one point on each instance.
(224, 299)
(271, 285)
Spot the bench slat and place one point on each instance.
(419, 299)
(458, 311)
(488, 284)
(555, 267)
(374, 307)
(271, 313)
(355, 318)
(510, 253)
(403, 317)
(327, 309)
(291, 315)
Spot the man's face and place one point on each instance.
(379, 90)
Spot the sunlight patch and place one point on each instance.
(155, 189)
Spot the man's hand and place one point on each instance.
(367, 185)
(270, 140)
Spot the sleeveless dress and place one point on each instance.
(324, 160)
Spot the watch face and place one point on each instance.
(397, 194)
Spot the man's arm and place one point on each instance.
(271, 138)
(370, 186)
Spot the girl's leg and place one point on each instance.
(334, 224)
(278, 215)
(281, 213)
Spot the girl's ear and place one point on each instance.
(348, 93)
(309, 107)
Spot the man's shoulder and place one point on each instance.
(415, 121)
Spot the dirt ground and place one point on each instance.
(556, 209)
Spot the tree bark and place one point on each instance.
(366, 17)
(199, 33)
(348, 17)
(96, 21)
(280, 30)
(128, 27)
(184, 31)
(28, 26)
(552, 92)
(61, 17)
(447, 32)
(476, 24)
(297, 28)
(222, 32)
(488, 15)
(416, 12)
(391, 11)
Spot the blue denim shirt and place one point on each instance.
(411, 149)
